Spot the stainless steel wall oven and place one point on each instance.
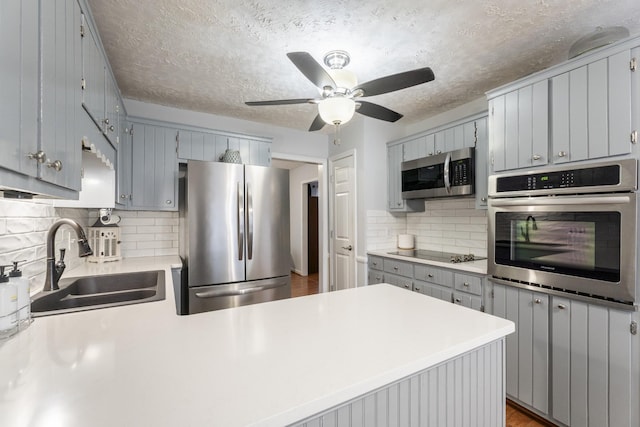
(567, 229)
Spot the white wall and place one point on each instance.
(297, 178)
(313, 144)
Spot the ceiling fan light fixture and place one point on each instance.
(336, 110)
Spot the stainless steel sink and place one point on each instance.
(93, 292)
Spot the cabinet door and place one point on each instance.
(394, 160)
(260, 153)
(124, 166)
(518, 128)
(469, 301)
(482, 159)
(19, 85)
(375, 277)
(399, 281)
(592, 352)
(527, 350)
(93, 77)
(155, 171)
(112, 107)
(61, 93)
(415, 149)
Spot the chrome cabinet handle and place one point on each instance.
(56, 165)
(537, 301)
(430, 275)
(105, 121)
(457, 300)
(111, 128)
(562, 306)
(406, 286)
(168, 202)
(465, 284)
(123, 196)
(439, 152)
(39, 155)
(349, 248)
(483, 199)
(537, 157)
(562, 153)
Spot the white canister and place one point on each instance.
(405, 241)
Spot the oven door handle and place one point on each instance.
(556, 201)
(447, 182)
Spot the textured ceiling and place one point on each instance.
(213, 55)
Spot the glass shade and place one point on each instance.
(336, 110)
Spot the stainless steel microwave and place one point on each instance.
(442, 175)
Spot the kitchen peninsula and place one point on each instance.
(372, 352)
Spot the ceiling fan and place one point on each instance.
(340, 92)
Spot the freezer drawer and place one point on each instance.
(217, 297)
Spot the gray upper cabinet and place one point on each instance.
(154, 179)
(519, 128)
(586, 108)
(482, 171)
(591, 110)
(93, 76)
(209, 146)
(124, 167)
(395, 202)
(61, 93)
(19, 88)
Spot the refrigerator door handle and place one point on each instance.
(235, 292)
(249, 223)
(240, 222)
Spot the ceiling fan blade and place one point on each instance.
(311, 69)
(317, 124)
(281, 102)
(395, 82)
(378, 112)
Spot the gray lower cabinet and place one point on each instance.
(209, 146)
(154, 178)
(460, 288)
(572, 362)
(594, 366)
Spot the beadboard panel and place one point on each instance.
(465, 391)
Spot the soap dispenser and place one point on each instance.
(24, 299)
(8, 306)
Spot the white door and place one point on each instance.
(343, 215)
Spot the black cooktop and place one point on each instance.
(436, 256)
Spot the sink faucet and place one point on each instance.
(55, 269)
(525, 230)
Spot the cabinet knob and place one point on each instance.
(457, 300)
(399, 203)
(538, 301)
(562, 306)
(430, 275)
(562, 153)
(439, 152)
(105, 121)
(111, 128)
(56, 165)
(465, 284)
(395, 268)
(431, 154)
(483, 199)
(406, 286)
(40, 156)
(537, 157)
(374, 263)
(168, 202)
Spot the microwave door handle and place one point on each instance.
(447, 163)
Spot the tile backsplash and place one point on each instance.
(24, 225)
(449, 225)
(23, 235)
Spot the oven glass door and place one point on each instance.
(582, 244)
(576, 243)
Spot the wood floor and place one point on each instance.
(308, 285)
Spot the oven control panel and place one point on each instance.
(571, 178)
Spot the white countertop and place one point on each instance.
(265, 364)
(478, 267)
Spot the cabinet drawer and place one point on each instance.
(466, 283)
(435, 291)
(434, 275)
(398, 267)
(375, 277)
(399, 281)
(375, 262)
(470, 301)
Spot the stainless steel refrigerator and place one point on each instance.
(234, 235)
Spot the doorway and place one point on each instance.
(312, 228)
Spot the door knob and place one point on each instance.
(348, 247)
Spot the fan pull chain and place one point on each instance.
(336, 137)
